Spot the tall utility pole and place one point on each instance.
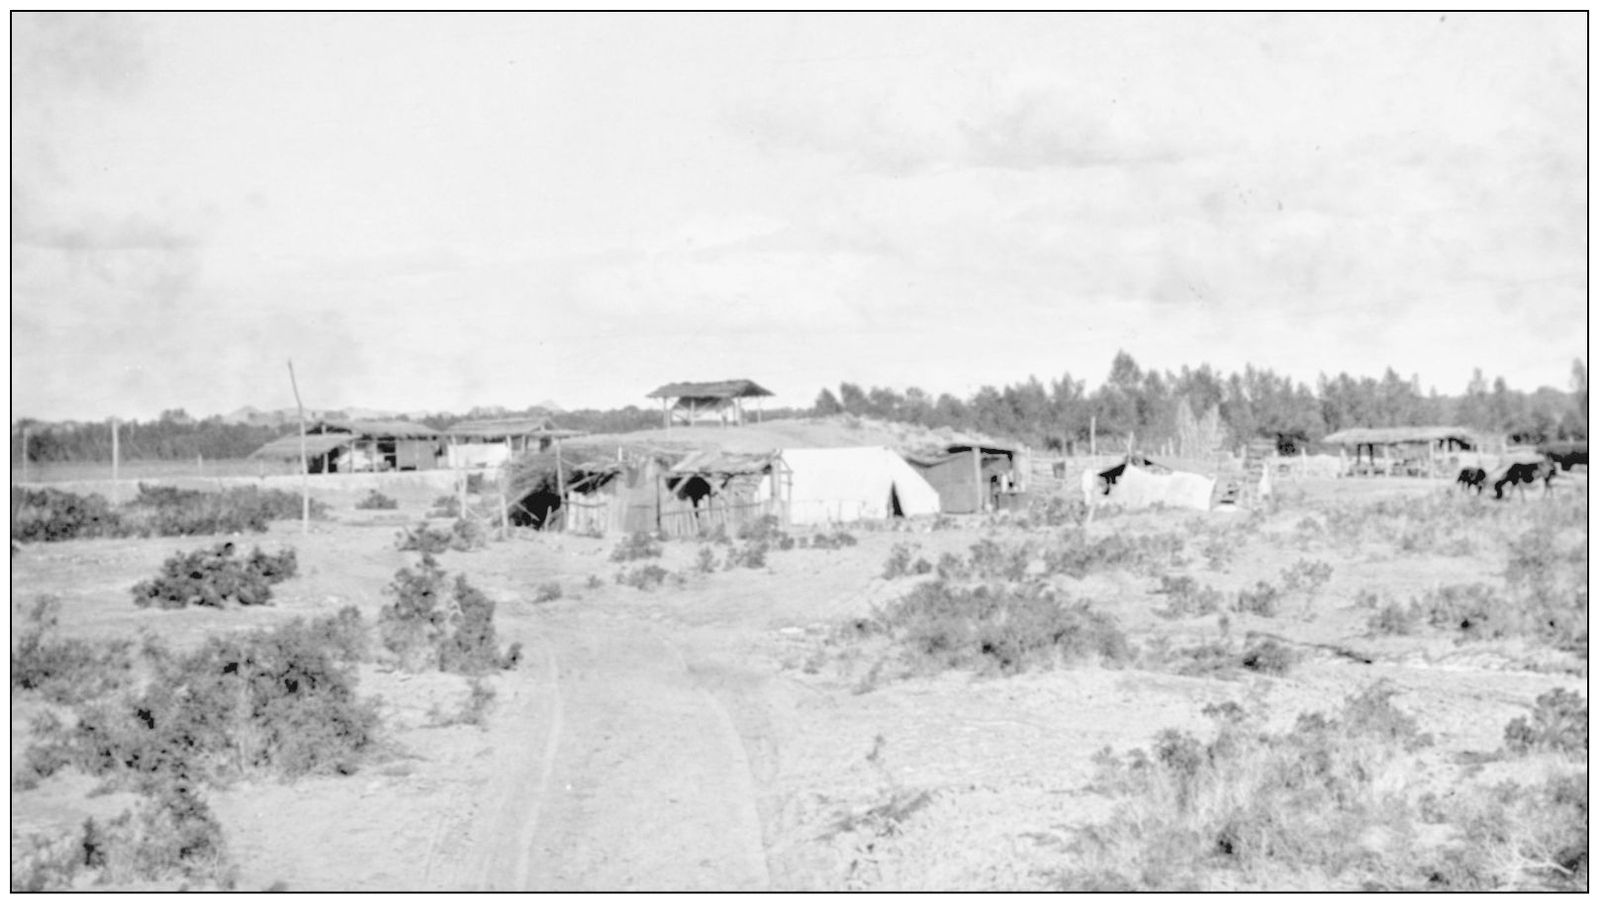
(306, 496)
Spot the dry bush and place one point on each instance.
(375, 500)
(638, 546)
(433, 624)
(1006, 629)
(63, 670)
(644, 577)
(1186, 598)
(1559, 723)
(1253, 808)
(214, 577)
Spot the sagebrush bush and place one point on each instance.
(63, 670)
(1187, 598)
(436, 624)
(838, 539)
(50, 515)
(278, 700)
(548, 591)
(1263, 599)
(446, 506)
(171, 832)
(1076, 557)
(900, 560)
(376, 500)
(1266, 805)
(215, 577)
(1306, 576)
(1395, 620)
(638, 546)
(169, 511)
(706, 561)
(1558, 723)
(1003, 628)
(752, 554)
(464, 534)
(645, 577)
(763, 529)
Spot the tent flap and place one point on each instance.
(844, 484)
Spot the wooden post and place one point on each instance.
(1094, 435)
(116, 454)
(665, 414)
(562, 485)
(306, 491)
(200, 465)
(980, 490)
(462, 496)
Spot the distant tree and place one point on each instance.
(853, 400)
(884, 403)
(825, 404)
(952, 413)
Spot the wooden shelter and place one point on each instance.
(707, 401)
(356, 446)
(490, 443)
(1405, 450)
(971, 478)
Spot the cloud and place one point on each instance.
(70, 53)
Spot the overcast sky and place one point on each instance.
(435, 212)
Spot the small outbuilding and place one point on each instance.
(491, 443)
(970, 478)
(360, 446)
(708, 402)
(834, 485)
(1405, 450)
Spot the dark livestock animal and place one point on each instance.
(1522, 475)
(1473, 478)
(1566, 454)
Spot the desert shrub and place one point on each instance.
(1512, 837)
(448, 506)
(473, 710)
(433, 625)
(764, 528)
(424, 538)
(64, 670)
(706, 560)
(717, 535)
(277, 700)
(1472, 608)
(1306, 576)
(1219, 549)
(638, 546)
(1269, 656)
(172, 832)
(464, 534)
(990, 560)
(50, 515)
(593, 582)
(785, 542)
(1076, 557)
(644, 577)
(214, 577)
(1263, 599)
(375, 500)
(1006, 629)
(548, 591)
(170, 511)
(900, 560)
(1559, 723)
(752, 554)
(838, 539)
(1269, 805)
(1187, 598)
(1395, 620)
(1054, 510)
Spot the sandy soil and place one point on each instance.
(708, 735)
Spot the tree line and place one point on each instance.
(1250, 405)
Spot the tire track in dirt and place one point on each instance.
(649, 786)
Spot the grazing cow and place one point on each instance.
(1473, 478)
(1566, 454)
(1524, 474)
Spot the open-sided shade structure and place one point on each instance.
(692, 400)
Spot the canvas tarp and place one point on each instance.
(477, 454)
(1139, 488)
(844, 484)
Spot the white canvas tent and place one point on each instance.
(832, 485)
(1139, 488)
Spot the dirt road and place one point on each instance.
(629, 777)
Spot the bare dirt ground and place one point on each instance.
(713, 734)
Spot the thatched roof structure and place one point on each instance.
(374, 428)
(511, 427)
(725, 390)
(289, 447)
(1399, 435)
(713, 462)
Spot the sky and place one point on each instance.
(435, 212)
